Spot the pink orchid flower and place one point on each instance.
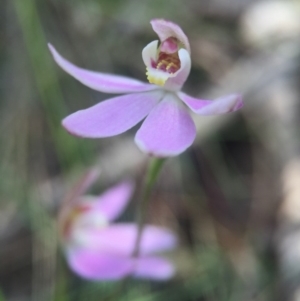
(98, 249)
(168, 129)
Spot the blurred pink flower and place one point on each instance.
(98, 249)
(169, 129)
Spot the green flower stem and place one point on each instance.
(154, 168)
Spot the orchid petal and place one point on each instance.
(149, 53)
(114, 200)
(93, 265)
(121, 239)
(176, 80)
(88, 179)
(113, 116)
(168, 130)
(102, 82)
(153, 268)
(166, 29)
(222, 105)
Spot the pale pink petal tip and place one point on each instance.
(89, 179)
(103, 82)
(166, 29)
(96, 266)
(93, 265)
(86, 181)
(222, 105)
(157, 239)
(155, 268)
(168, 130)
(121, 238)
(114, 200)
(113, 116)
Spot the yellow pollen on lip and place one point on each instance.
(155, 79)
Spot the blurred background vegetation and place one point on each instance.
(233, 197)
